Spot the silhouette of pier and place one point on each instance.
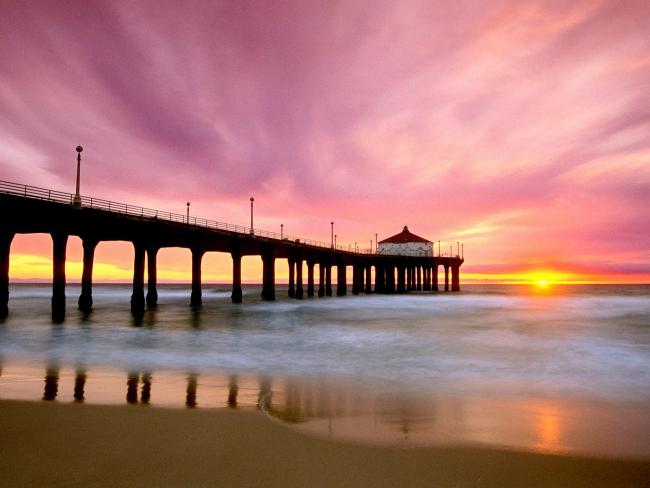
(26, 209)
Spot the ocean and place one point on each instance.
(563, 368)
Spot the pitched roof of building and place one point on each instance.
(404, 237)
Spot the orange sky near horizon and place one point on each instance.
(114, 264)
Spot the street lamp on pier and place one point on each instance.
(252, 200)
(77, 196)
(458, 248)
(281, 231)
(376, 243)
(332, 232)
(462, 251)
(335, 236)
(438, 248)
(188, 212)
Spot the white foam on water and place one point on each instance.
(592, 345)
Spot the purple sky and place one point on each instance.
(519, 128)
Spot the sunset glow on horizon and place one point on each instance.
(520, 129)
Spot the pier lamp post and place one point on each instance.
(252, 200)
(438, 248)
(376, 243)
(281, 231)
(462, 251)
(332, 227)
(188, 212)
(77, 196)
(370, 246)
(356, 249)
(458, 248)
(335, 236)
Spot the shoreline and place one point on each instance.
(52, 443)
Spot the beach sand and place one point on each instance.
(56, 444)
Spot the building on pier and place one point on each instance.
(405, 244)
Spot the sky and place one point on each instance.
(519, 128)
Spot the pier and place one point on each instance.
(26, 209)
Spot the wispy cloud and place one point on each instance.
(439, 115)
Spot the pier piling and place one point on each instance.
(380, 279)
(299, 289)
(196, 297)
(5, 248)
(137, 296)
(368, 271)
(328, 280)
(292, 278)
(446, 278)
(390, 278)
(268, 275)
(401, 279)
(86, 297)
(59, 243)
(310, 278)
(455, 278)
(434, 278)
(321, 279)
(152, 277)
(236, 295)
(356, 286)
(341, 280)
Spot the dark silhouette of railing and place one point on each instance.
(45, 194)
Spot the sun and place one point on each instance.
(544, 278)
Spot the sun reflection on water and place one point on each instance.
(548, 429)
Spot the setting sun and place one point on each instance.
(546, 278)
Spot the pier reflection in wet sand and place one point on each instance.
(190, 393)
(351, 412)
(51, 383)
(79, 385)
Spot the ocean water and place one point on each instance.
(490, 352)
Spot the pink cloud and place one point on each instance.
(373, 114)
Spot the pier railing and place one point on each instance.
(46, 194)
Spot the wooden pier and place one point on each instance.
(27, 209)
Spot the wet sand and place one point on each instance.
(54, 444)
